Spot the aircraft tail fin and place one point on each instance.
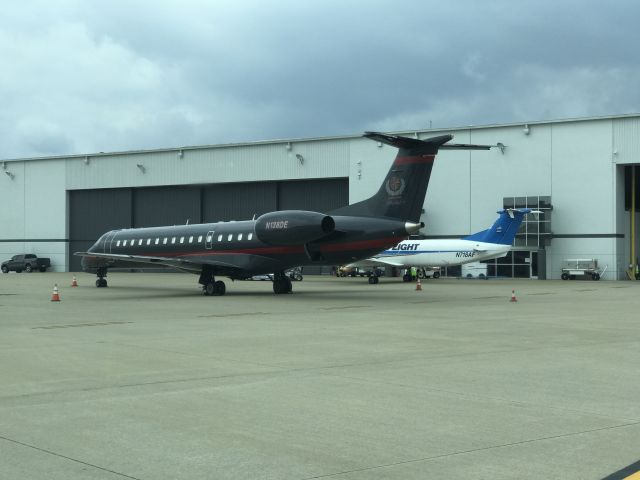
(401, 195)
(504, 230)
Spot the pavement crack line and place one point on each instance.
(472, 450)
(65, 457)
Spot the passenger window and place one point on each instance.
(157, 241)
(239, 236)
(148, 241)
(173, 240)
(191, 239)
(118, 243)
(139, 242)
(230, 237)
(220, 237)
(124, 243)
(164, 242)
(200, 239)
(250, 236)
(181, 239)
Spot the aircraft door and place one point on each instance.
(534, 265)
(108, 239)
(208, 244)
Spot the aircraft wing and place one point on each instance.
(236, 266)
(377, 261)
(386, 261)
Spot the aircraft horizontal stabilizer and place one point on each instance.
(440, 142)
(466, 146)
(406, 142)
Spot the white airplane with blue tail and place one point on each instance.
(494, 242)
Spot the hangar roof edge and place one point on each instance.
(317, 139)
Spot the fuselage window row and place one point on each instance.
(165, 240)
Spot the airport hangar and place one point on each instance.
(579, 172)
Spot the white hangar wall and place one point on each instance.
(215, 164)
(33, 213)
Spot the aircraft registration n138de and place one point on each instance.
(277, 241)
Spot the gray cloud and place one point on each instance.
(102, 76)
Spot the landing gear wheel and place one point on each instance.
(209, 289)
(219, 288)
(214, 288)
(101, 282)
(282, 285)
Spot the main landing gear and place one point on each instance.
(281, 283)
(209, 284)
(101, 282)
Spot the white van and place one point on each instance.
(474, 270)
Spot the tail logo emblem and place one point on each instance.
(395, 186)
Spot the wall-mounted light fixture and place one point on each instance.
(9, 174)
(180, 153)
(501, 146)
(4, 165)
(525, 130)
(86, 160)
(300, 158)
(141, 167)
(379, 144)
(288, 146)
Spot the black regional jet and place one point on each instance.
(277, 241)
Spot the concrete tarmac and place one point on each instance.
(149, 379)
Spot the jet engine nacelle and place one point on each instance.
(293, 227)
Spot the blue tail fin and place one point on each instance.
(504, 229)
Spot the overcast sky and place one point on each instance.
(84, 76)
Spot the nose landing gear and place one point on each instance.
(101, 282)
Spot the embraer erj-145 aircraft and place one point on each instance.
(494, 242)
(277, 241)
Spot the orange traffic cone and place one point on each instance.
(55, 297)
(74, 282)
(513, 296)
(418, 286)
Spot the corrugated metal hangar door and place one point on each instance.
(93, 212)
(166, 206)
